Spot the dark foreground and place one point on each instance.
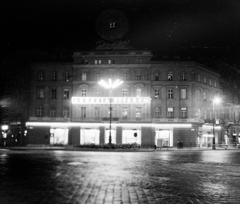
(29, 177)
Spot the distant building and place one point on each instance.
(159, 103)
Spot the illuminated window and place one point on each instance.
(99, 61)
(84, 76)
(66, 112)
(183, 76)
(204, 79)
(156, 94)
(170, 76)
(204, 95)
(125, 92)
(138, 112)
(210, 82)
(97, 76)
(97, 112)
(138, 92)
(66, 94)
(205, 114)
(156, 77)
(53, 112)
(157, 112)
(83, 112)
(110, 61)
(54, 76)
(170, 113)
(84, 92)
(199, 78)
(183, 112)
(124, 112)
(40, 76)
(170, 93)
(215, 83)
(66, 76)
(40, 93)
(54, 94)
(40, 112)
(138, 76)
(183, 93)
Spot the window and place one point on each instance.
(124, 112)
(125, 92)
(170, 93)
(97, 92)
(138, 112)
(183, 76)
(97, 112)
(156, 94)
(156, 77)
(210, 82)
(138, 92)
(170, 112)
(183, 93)
(124, 76)
(204, 95)
(40, 112)
(138, 76)
(205, 114)
(98, 62)
(40, 76)
(66, 94)
(183, 112)
(84, 92)
(110, 110)
(66, 112)
(110, 61)
(83, 112)
(210, 96)
(215, 83)
(53, 112)
(40, 93)
(54, 94)
(157, 112)
(54, 76)
(66, 76)
(170, 76)
(84, 76)
(211, 115)
(204, 79)
(97, 76)
(199, 78)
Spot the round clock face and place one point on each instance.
(111, 24)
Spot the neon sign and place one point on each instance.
(114, 100)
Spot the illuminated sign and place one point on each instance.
(117, 45)
(114, 100)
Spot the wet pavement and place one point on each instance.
(43, 177)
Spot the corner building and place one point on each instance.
(164, 102)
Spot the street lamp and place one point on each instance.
(216, 100)
(110, 86)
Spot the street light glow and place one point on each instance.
(217, 100)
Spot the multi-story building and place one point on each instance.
(159, 102)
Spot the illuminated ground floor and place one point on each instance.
(145, 134)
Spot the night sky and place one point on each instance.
(197, 29)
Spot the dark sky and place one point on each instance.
(200, 28)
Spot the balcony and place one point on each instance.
(177, 120)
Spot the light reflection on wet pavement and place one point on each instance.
(29, 177)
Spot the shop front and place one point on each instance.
(164, 138)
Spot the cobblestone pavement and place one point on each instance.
(44, 177)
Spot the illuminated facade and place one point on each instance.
(163, 102)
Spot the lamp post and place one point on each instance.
(216, 100)
(110, 86)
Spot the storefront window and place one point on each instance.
(89, 136)
(129, 138)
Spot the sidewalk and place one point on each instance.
(72, 148)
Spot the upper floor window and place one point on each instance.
(98, 61)
(205, 114)
(53, 112)
(96, 112)
(66, 94)
(156, 77)
(170, 113)
(54, 76)
(97, 76)
(204, 79)
(84, 76)
(215, 83)
(97, 92)
(84, 92)
(41, 76)
(138, 112)
(54, 94)
(157, 112)
(204, 95)
(138, 92)
(183, 76)
(40, 111)
(170, 93)
(199, 78)
(110, 61)
(125, 92)
(124, 112)
(156, 94)
(66, 76)
(124, 76)
(139, 76)
(183, 93)
(40, 93)
(83, 112)
(170, 76)
(183, 113)
(66, 112)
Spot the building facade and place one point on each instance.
(159, 103)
